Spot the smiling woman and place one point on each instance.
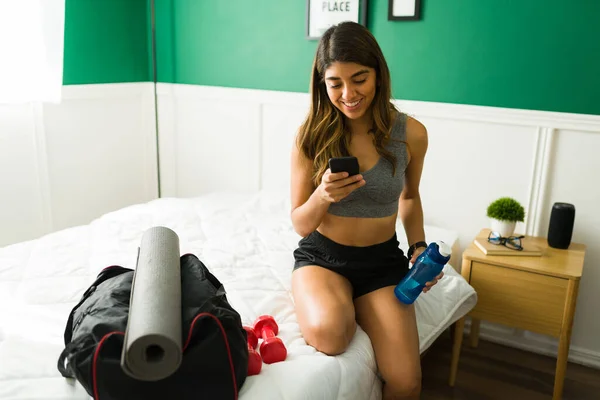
(349, 67)
(348, 261)
(354, 91)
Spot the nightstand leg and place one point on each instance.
(561, 368)
(458, 335)
(474, 335)
(565, 339)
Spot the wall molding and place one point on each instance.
(546, 150)
(505, 116)
(106, 90)
(449, 111)
(39, 139)
(148, 113)
(167, 141)
(534, 186)
(539, 179)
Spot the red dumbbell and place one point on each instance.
(272, 348)
(254, 359)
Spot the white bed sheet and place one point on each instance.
(246, 240)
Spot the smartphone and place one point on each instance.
(344, 164)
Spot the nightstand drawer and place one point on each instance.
(516, 298)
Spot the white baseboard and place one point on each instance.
(538, 344)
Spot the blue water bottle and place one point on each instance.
(427, 266)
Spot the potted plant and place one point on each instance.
(504, 213)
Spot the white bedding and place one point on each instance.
(246, 240)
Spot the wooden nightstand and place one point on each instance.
(534, 293)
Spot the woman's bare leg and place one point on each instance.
(324, 308)
(392, 328)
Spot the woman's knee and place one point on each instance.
(330, 336)
(406, 386)
(325, 310)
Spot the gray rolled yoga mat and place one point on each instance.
(152, 349)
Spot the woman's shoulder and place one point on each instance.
(415, 130)
(416, 137)
(407, 126)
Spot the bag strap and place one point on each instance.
(66, 371)
(216, 320)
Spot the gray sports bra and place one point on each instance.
(379, 196)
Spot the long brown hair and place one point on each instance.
(323, 133)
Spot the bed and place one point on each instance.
(246, 240)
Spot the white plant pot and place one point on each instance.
(504, 228)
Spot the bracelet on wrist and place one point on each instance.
(414, 247)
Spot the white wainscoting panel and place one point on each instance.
(465, 156)
(279, 126)
(66, 164)
(216, 149)
(99, 151)
(214, 138)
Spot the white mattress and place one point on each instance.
(246, 240)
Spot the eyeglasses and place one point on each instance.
(512, 242)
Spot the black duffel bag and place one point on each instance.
(215, 352)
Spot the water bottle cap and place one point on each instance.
(444, 249)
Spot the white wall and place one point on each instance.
(64, 165)
(215, 138)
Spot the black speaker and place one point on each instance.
(560, 230)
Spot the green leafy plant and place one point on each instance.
(506, 209)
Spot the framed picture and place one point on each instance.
(404, 10)
(322, 14)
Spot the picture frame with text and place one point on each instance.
(322, 14)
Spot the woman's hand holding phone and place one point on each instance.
(335, 186)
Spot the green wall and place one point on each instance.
(234, 43)
(537, 54)
(106, 41)
(534, 54)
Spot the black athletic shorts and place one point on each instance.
(367, 268)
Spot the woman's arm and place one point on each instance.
(308, 207)
(410, 209)
(310, 204)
